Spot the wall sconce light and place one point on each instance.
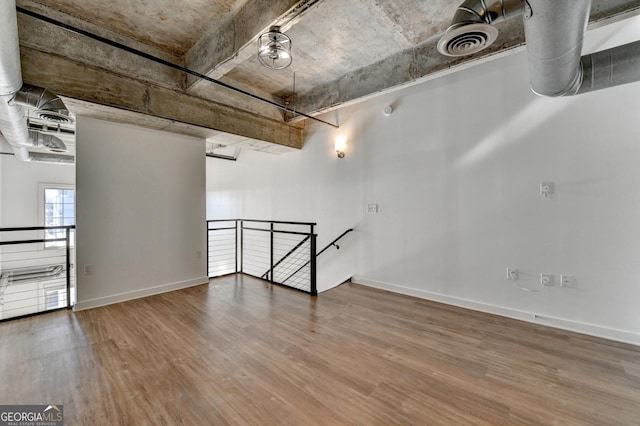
(340, 145)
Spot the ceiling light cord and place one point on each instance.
(163, 62)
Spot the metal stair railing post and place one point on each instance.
(235, 233)
(271, 252)
(68, 255)
(241, 245)
(312, 251)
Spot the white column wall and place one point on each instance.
(140, 212)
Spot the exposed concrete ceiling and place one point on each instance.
(343, 51)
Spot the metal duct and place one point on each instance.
(49, 105)
(472, 29)
(50, 142)
(45, 157)
(609, 68)
(12, 117)
(10, 76)
(554, 32)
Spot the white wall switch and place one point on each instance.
(512, 274)
(372, 208)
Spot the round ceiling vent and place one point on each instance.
(467, 39)
(53, 117)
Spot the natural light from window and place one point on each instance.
(59, 210)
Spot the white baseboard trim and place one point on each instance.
(137, 294)
(561, 323)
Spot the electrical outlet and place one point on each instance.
(512, 274)
(372, 208)
(546, 189)
(198, 254)
(566, 280)
(546, 279)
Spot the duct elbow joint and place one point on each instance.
(472, 27)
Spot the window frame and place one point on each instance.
(41, 208)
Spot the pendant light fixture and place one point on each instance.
(274, 49)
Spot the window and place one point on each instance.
(59, 210)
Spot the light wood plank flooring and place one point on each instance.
(237, 352)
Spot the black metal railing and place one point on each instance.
(279, 252)
(333, 243)
(35, 270)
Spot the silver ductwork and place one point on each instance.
(609, 68)
(10, 75)
(14, 97)
(48, 105)
(45, 157)
(554, 31)
(50, 142)
(554, 34)
(472, 28)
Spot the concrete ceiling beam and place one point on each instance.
(93, 84)
(49, 38)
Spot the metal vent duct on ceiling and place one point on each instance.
(553, 31)
(48, 105)
(472, 27)
(14, 96)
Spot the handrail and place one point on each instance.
(37, 228)
(262, 221)
(332, 243)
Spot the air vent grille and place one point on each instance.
(467, 39)
(53, 117)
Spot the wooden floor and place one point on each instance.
(240, 353)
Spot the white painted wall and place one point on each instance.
(140, 212)
(456, 172)
(19, 188)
